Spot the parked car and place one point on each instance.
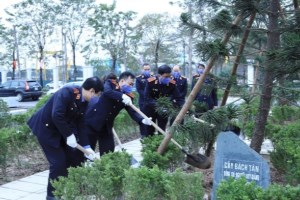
(78, 83)
(51, 85)
(23, 89)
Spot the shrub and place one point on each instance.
(112, 178)
(180, 185)
(4, 115)
(285, 113)
(281, 116)
(144, 183)
(5, 134)
(279, 192)
(286, 156)
(238, 189)
(172, 156)
(149, 184)
(102, 180)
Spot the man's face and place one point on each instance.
(176, 69)
(128, 81)
(146, 68)
(88, 94)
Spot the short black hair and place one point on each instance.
(164, 69)
(93, 82)
(110, 76)
(200, 64)
(145, 64)
(126, 74)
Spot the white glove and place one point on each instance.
(71, 141)
(92, 155)
(147, 121)
(126, 100)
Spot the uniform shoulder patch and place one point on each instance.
(151, 79)
(172, 81)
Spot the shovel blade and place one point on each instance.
(198, 160)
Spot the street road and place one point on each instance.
(18, 107)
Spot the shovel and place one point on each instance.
(133, 160)
(83, 150)
(198, 160)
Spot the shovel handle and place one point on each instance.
(154, 124)
(117, 138)
(83, 150)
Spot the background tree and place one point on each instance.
(156, 45)
(110, 28)
(7, 41)
(194, 10)
(281, 59)
(35, 20)
(73, 19)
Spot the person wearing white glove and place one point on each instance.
(147, 121)
(100, 115)
(59, 119)
(126, 100)
(71, 141)
(92, 155)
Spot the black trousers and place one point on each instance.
(105, 141)
(60, 159)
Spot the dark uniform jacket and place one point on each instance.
(140, 84)
(60, 117)
(181, 84)
(208, 91)
(102, 112)
(154, 90)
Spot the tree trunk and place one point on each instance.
(190, 49)
(265, 98)
(195, 90)
(16, 61)
(74, 63)
(65, 58)
(114, 63)
(14, 65)
(238, 57)
(124, 45)
(41, 65)
(157, 45)
(190, 56)
(296, 4)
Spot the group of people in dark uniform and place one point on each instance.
(85, 115)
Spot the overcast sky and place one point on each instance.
(140, 6)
